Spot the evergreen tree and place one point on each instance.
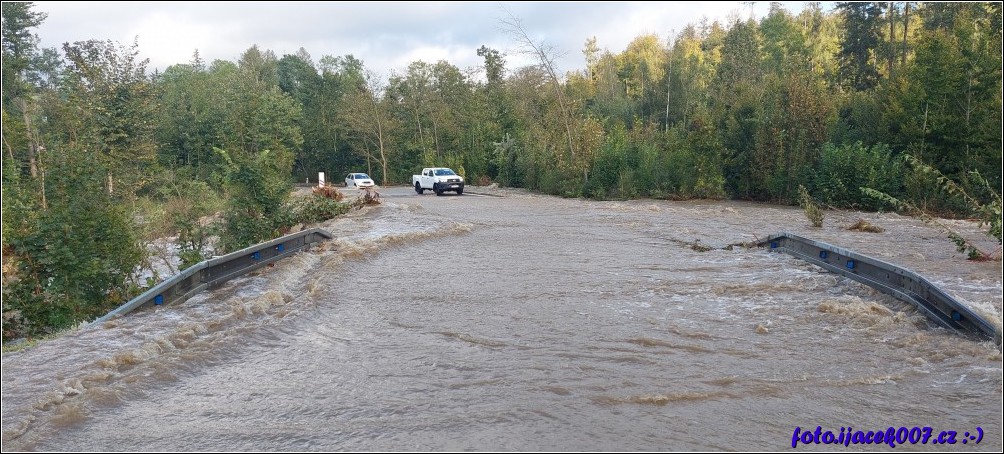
(862, 32)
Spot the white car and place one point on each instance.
(358, 180)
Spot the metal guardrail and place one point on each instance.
(899, 282)
(212, 273)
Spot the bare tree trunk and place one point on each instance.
(564, 111)
(923, 132)
(686, 103)
(383, 160)
(10, 150)
(906, 29)
(383, 155)
(969, 114)
(435, 136)
(613, 81)
(369, 157)
(669, 80)
(32, 142)
(35, 149)
(41, 173)
(421, 135)
(892, 36)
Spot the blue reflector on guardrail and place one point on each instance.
(280, 248)
(256, 255)
(773, 244)
(956, 316)
(158, 300)
(823, 254)
(851, 264)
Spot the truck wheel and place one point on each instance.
(435, 188)
(460, 192)
(418, 188)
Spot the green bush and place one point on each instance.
(812, 211)
(317, 208)
(186, 203)
(987, 206)
(845, 168)
(627, 184)
(258, 189)
(70, 260)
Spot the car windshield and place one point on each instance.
(444, 172)
(362, 176)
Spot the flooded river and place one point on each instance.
(529, 323)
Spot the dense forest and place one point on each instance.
(102, 156)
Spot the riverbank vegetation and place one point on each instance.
(901, 98)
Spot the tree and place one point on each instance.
(258, 188)
(191, 116)
(957, 75)
(821, 40)
(784, 44)
(690, 69)
(737, 92)
(494, 64)
(545, 55)
(23, 69)
(74, 259)
(261, 66)
(641, 66)
(611, 100)
(117, 102)
(300, 80)
(499, 103)
(69, 243)
(368, 120)
(258, 115)
(591, 51)
(413, 93)
(260, 134)
(20, 47)
(862, 22)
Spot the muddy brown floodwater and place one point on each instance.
(528, 323)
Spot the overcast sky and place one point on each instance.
(385, 36)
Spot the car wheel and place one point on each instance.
(418, 188)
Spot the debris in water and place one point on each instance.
(328, 191)
(697, 246)
(371, 197)
(865, 226)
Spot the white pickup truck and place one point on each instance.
(438, 179)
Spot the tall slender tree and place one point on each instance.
(862, 22)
